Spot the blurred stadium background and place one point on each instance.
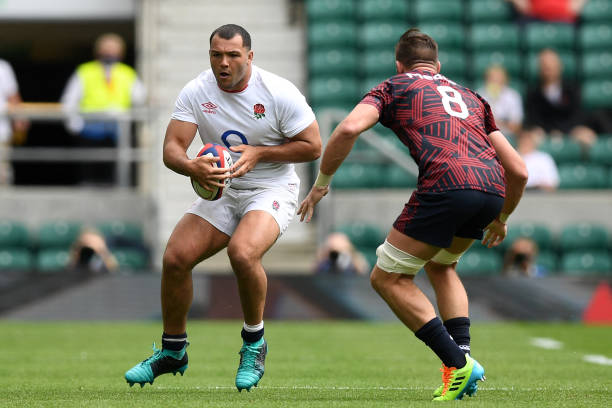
(334, 51)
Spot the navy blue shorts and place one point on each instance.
(435, 218)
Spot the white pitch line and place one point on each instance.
(597, 359)
(347, 388)
(546, 343)
(552, 344)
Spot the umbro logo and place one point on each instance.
(209, 107)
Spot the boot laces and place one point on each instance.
(448, 373)
(248, 354)
(157, 354)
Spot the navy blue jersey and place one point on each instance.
(446, 128)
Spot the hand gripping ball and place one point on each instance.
(224, 161)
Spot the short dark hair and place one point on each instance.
(228, 31)
(415, 46)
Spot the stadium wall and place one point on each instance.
(136, 297)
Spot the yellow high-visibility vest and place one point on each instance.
(100, 94)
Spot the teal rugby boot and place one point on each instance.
(251, 367)
(161, 362)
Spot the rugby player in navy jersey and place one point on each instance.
(470, 180)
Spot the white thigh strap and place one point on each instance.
(446, 258)
(394, 260)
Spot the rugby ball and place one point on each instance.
(224, 161)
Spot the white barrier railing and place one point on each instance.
(123, 154)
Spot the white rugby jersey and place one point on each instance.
(266, 113)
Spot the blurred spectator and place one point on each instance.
(554, 105)
(9, 97)
(102, 85)
(543, 173)
(553, 11)
(520, 259)
(89, 253)
(338, 256)
(505, 102)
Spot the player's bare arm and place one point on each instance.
(303, 147)
(340, 143)
(516, 179)
(179, 136)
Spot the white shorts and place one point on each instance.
(280, 201)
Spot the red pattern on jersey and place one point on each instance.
(452, 153)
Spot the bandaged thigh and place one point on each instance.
(446, 258)
(394, 260)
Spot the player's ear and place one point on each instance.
(250, 56)
(439, 66)
(399, 67)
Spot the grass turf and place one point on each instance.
(312, 364)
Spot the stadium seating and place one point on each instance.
(582, 176)
(597, 64)
(377, 63)
(369, 82)
(544, 35)
(58, 234)
(382, 10)
(351, 49)
(488, 10)
(380, 35)
(130, 259)
(397, 177)
(438, 10)
(601, 151)
(454, 65)
(52, 260)
(539, 233)
(480, 262)
(586, 262)
(595, 36)
(495, 37)
(334, 91)
(597, 10)
(362, 234)
(597, 93)
(333, 62)
(320, 10)
(15, 259)
(359, 175)
(332, 35)
(583, 236)
(562, 150)
(449, 36)
(13, 234)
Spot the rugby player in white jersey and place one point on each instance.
(266, 123)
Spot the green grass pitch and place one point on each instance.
(311, 364)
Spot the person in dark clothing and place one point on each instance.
(554, 104)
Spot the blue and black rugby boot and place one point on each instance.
(252, 361)
(161, 362)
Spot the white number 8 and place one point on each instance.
(452, 95)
